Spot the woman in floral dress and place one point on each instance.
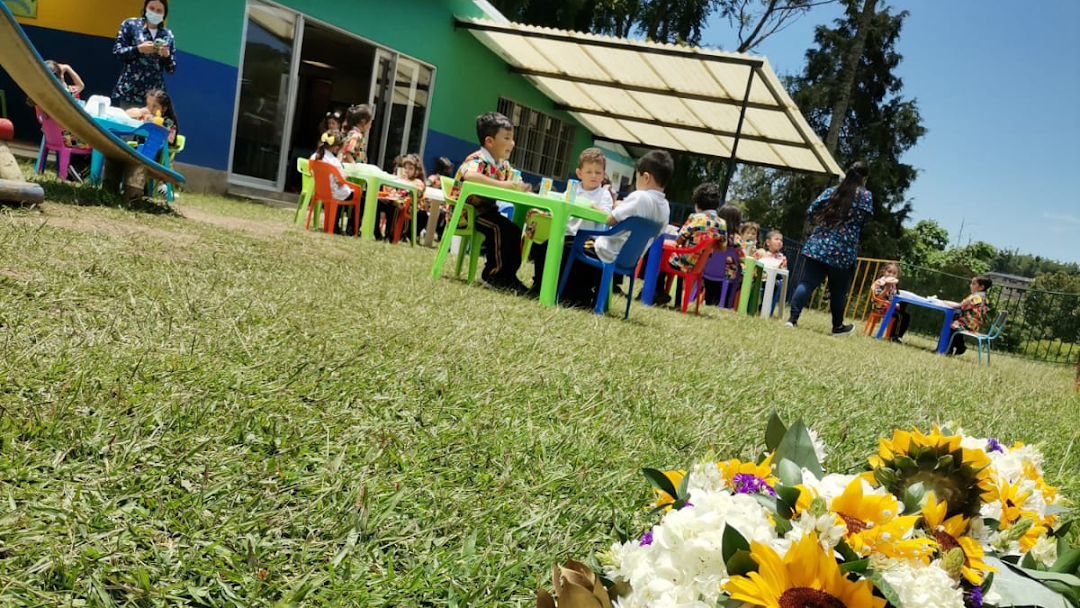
(147, 49)
(838, 217)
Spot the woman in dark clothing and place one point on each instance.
(147, 48)
(838, 217)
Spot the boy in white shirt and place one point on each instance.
(590, 172)
(652, 172)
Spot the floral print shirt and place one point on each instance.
(483, 163)
(402, 197)
(698, 227)
(355, 147)
(972, 309)
(883, 292)
(141, 72)
(732, 271)
(838, 245)
(765, 254)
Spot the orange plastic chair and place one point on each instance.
(321, 172)
(875, 317)
(693, 277)
(404, 213)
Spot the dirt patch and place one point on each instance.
(54, 215)
(260, 228)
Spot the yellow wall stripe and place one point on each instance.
(92, 17)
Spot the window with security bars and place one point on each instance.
(542, 143)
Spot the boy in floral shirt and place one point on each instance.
(702, 224)
(489, 165)
(970, 315)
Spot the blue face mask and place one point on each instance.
(154, 18)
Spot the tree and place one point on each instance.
(878, 126)
(1053, 307)
(924, 244)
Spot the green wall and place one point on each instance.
(469, 78)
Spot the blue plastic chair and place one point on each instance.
(641, 231)
(988, 337)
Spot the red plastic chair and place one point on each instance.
(876, 317)
(693, 277)
(321, 172)
(53, 141)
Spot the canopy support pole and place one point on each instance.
(735, 146)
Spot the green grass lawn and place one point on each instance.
(214, 408)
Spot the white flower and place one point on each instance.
(1045, 550)
(819, 445)
(1009, 465)
(829, 532)
(832, 485)
(683, 565)
(920, 585)
(705, 476)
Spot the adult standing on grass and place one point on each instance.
(838, 217)
(146, 47)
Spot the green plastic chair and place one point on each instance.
(988, 337)
(541, 231)
(471, 239)
(307, 188)
(176, 148)
(750, 292)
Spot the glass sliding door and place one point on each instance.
(266, 92)
(401, 95)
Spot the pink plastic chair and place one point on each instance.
(53, 141)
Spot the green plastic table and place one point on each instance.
(375, 177)
(560, 211)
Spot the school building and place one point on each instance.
(255, 77)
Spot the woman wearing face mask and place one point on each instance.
(146, 47)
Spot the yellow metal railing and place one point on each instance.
(859, 295)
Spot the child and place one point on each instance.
(330, 122)
(358, 121)
(884, 288)
(771, 254)
(399, 199)
(590, 173)
(490, 165)
(748, 232)
(652, 173)
(732, 217)
(158, 103)
(970, 315)
(444, 167)
(703, 223)
(329, 148)
(62, 71)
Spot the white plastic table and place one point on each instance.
(436, 198)
(770, 284)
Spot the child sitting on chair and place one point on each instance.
(398, 200)
(652, 173)
(732, 217)
(358, 120)
(748, 234)
(329, 148)
(158, 107)
(771, 254)
(970, 315)
(62, 71)
(590, 171)
(884, 288)
(490, 166)
(702, 224)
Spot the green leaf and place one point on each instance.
(783, 526)
(1043, 575)
(885, 588)
(741, 563)
(913, 497)
(1019, 590)
(683, 485)
(789, 473)
(846, 552)
(733, 542)
(797, 447)
(1028, 562)
(1057, 509)
(774, 431)
(788, 495)
(1071, 592)
(658, 480)
(1063, 529)
(1068, 561)
(859, 565)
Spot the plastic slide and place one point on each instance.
(22, 62)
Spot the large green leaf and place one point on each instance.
(774, 431)
(741, 563)
(789, 473)
(733, 542)
(797, 447)
(885, 588)
(1016, 589)
(1068, 561)
(658, 480)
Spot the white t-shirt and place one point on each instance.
(598, 198)
(340, 191)
(649, 204)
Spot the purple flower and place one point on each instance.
(646, 540)
(976, 596)
(748, 483)
(994, 445)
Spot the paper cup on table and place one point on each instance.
(545, 186)
(571, 190)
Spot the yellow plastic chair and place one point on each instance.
(471, 239)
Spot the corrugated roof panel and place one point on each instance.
(703, 143)
(652, 135)
(667, 108)
(606, 127)
(568, 93)
(686, 76)
(516, 51)
(775, 125)
(570, 58)
(626, 67)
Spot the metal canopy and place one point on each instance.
(685, 99)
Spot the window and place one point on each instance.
(542, 143)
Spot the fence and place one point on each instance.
(1041, 325)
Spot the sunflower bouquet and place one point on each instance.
(940, 519)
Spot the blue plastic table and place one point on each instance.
(946, 329)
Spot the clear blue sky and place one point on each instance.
(998, 86)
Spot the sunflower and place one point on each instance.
(874, 524)
(807, 577)
(663, 499)
(949, 534)
(1012, 500)
(961, 477)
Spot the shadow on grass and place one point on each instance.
(86, 195)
